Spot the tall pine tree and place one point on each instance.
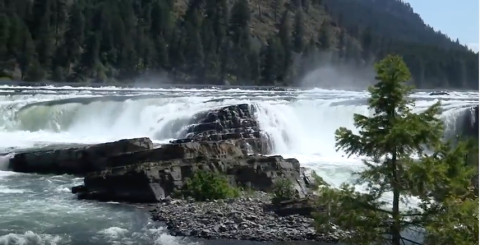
(298, 32)
(389, 139)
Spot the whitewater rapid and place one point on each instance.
(300, 124)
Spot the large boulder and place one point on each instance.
(77, 160)
(153, 181)
(301, 206)
(232, 122)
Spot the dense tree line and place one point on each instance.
(205, 41)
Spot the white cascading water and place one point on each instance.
(300, 124)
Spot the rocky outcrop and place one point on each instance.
(233, 122)
(75, 160)
(439, 93)
(153, 176)
(188, 150)
(227, 141)
(153, 181)
(247, 218)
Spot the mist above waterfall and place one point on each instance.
(338, 77)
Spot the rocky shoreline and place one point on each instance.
(251, 217)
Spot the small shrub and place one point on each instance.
(206, 185)
(317, 181)
(283, 190)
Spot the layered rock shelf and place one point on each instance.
(75, 159)
(228, 123)
(154, 181)
(227, 141)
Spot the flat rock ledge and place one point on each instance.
(245, 218)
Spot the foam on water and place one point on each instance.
(37, 209)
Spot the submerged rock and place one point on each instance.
(439, 93)
(75, 160)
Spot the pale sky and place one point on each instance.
(455, 18)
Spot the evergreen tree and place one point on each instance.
(4, 34)
(161, 20)
(285, 29)
(324, 37)
(220, 21)
(194, 52)
(254, 65)
(239, 20)
(296, 3)
(342, 42)
(89, 58)
(15, 35)
(26, 54)
(284, 52)
(306, 5)
(270, 61)
(298, 32)
(277, 9)
(389, 139)
(367, 44)
(74, 36)
(58, 19)
(162, 52)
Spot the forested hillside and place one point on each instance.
(434, 59)
(261, 42)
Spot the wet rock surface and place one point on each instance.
(153, 181)
(78, 160)
(187, 150)
(251, 217)
(470, 123)
(232, 122)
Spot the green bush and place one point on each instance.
(318, 181)
(207, 185)
(283, 190)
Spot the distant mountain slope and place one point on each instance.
(389, 18)
(238, 42)
(433, 58)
